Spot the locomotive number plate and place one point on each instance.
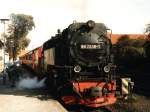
(88, 46)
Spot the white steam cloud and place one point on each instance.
(30, 83)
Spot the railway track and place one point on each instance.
(97, 110)
(87, 109)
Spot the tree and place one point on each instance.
(1, 44)
(147, 48)
(124, 40)
(147, 31)
(147, 43)
(128, 51)
(18, 30)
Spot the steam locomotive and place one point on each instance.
(79, 65)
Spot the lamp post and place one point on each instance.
(4, 22)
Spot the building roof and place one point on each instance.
(115, 37)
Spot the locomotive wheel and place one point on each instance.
(50, 85)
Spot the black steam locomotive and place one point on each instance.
(79, 62)
(79, 65)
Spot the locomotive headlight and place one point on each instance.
(55, 75)
(77, 68)
(107, 68)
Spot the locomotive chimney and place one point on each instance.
(90, 24)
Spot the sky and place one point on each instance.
(122, 16)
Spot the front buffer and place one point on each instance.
(90, 94)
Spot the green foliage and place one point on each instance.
(20, 25)
(147, 31)
(18, 30)
(123, 40)
(147, 43)
(24, 42)
(138, 43)
(128, 51)
(147, 48)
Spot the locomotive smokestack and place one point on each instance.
(91, 24)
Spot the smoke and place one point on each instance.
(30, 83)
